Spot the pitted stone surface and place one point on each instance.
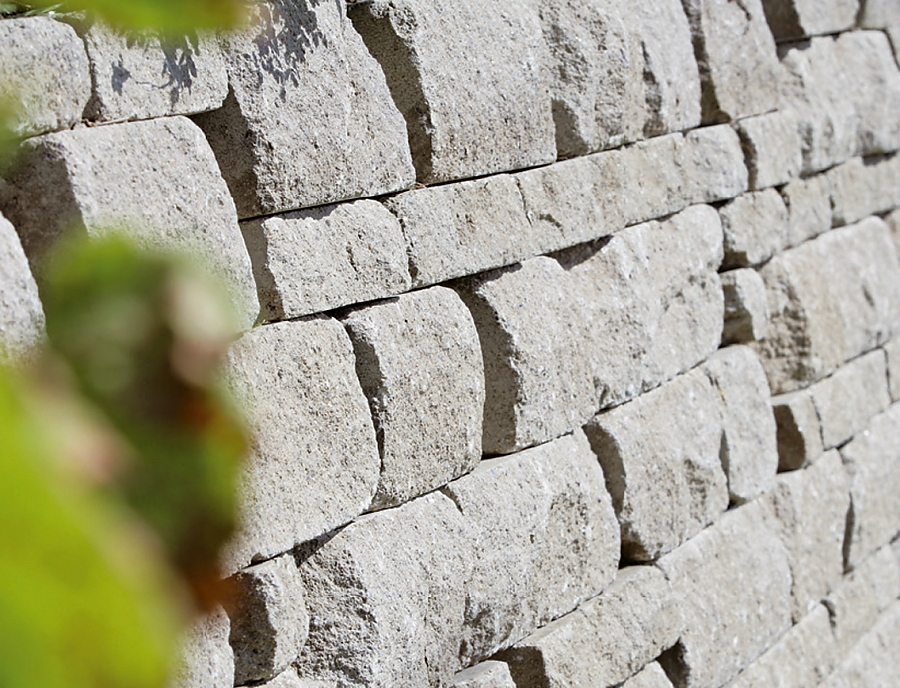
(290, 679)
(471, 79)
(21, 312)
(419, 362)
(206, 660)
(651, 676)
(755, 227)
(809, 208)
(874, 660)
(799, 430)
(308, 118)
(862, 187)
(714, 164)
(490, 674)
(794, 19)
(746, 310)
(656, 178)
(771, 145)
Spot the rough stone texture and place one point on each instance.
(655, 178)
(21, 312)
(863, 187)
(490, 674)
(879, 14)
(419, 362)
(799, 430)
(830, 300)
(714, 163)
(544, 539)
(892, 350)
(308, 118)
(736, 55)
(771, 144)
(533, 340)
(269, 623)
(44, 69)
(793, 19)
(206, 660)
(290, 679)
(746, 310)
(871, 462)
(874, 661)
(663, 501)
(606, 639)
(471, 79)
(651, 676)
(848, 399)
(295, 379)
(734, 583)
(893, 223)
(318, 259)
(755, 227)
(749, 450)
(156, 181)
(809, 208)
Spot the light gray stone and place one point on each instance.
(490, 674)
(314, 460)
(793, 19)
(893, 33)
(714, 164)
(892, 351)
(660, 456)
(809, 208)
(651, 676)
(862, 187)
(290, 679)
(755, 227)
(799, 430)
(533, 335)
(893, 222)
(419, 362)
(746, 310)
(322, 258)
(874, 661)
(206, 660)
(44, 70)
(771, 144)
(308, 118)
(736, 55)
(604, 641)
(472, 80)
(21, 312)
(269, 623)
(157, 182)
(734, 584)
(656, 181)
(879, 14)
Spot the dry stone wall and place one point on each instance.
(572, 349)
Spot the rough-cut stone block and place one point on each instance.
(314, 461)
(471, 79)
(863, 187)
(21, 312)
(879, 14)
(874, 661)
(830, 300)
(290, 679)
(206, 659)
(809, 208)
(734, 584)
(459, 229)
(269, 623)
(318, 259)
(771, 145)
(655, 183)
(490, 674)
(755, 227)
(848, 399)
(746, 310)
(44, 69)
(155, 181)
(533, 340)
(799, 430)
(545, 539)
(793, 19)
(736, 56)
(651, 676)
(308, 118)
(749, 449)
(660, 456)
(714, 164)
(419, 362)
(871, 460)
(892, 350)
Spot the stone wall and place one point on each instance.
(572, 347)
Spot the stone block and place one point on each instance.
(879, 14)
(544, 538)
(290, 679)
(794, 19)
(655, 178)
(322, 258)
(874, 660)
(864, 186)
(21, 312)
(651, 676)
(419, 362)
(714, 164)
(604, 641)
(490, 674)
(663, 501)
(892, 351)
(206, 659)
(755, 227)
(296, 379)
(470, 77)
(749, 450)
(736, 55)
(269, 623)
(155, 181)
(746, 310)
(308, 118)
(799, 430)
(771, 144)
(45, 70)
(538, 376)
(734, 584)
(809, 208)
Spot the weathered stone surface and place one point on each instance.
(771, 144)
(206, 660)
(21, 313)
(809, 208)
(269, 623)
(664, 500)
(793, 19)
(862, 187)
(419, 362)
(874, 661)
(44, 69)
(746, 310)
(545, 539)
(799, 430)
(714, 164)
(290, 679)
(830, 300)
(490, 674)
(318, 259)
(308, 118)
(755, 227)
(606, 639)
(892, 351)
(155, 181)
(893, 223)
(879, 14)
(655, 172)
(471, 79)
(651, 676)
(736, 55)
(538, 377)
(749, 450)
(871, 462)
(734, 584)
(297, 379)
